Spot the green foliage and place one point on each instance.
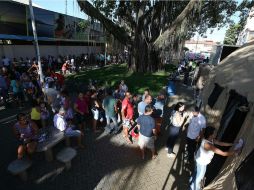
(83, 24)
(170, 68)
(232, 34)
(154, 26)
(159, 15)
(112, 75)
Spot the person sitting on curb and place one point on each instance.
(69, 130)
(147, 131)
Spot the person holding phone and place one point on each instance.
(26, 132)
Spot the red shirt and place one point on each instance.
(82, 106)
(60, 78)
(128, 109)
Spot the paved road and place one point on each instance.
(107, 163)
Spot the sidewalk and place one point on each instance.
(107, 162)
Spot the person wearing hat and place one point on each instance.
(69, 130)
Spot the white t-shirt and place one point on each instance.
(59, 122)
(196, 125)
(72, 61)
(204, 157)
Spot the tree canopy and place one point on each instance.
(232, 34)
(155, 26)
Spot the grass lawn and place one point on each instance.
(112, 75)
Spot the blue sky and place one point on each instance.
(59, 6)
(74, 10)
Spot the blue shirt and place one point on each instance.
(147, 124)
(141, 107)
(3, 83)
(109, 106)
(171, 89)
(15, 87)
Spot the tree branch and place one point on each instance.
(187, 10)
(120, 34)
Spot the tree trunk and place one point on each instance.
(143, 56)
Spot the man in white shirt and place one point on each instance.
(69, 131)
(195, 131)
(72, 63)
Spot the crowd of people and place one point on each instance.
(93, 108)
(69, 63)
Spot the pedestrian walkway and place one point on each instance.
(107, 162)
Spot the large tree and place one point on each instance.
(148, 28)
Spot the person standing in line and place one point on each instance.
(205, 155)
(36, 113)
(51, 95)
(195, 132)
(17, 90)
(177, 121)
(127, 113)
(6, 62)
(82, 112)
(3, 87)
(109, 105)
(123, 88)
(147, 132)
(141, 105)
(65, 67)
(96, 111)
(146, 92)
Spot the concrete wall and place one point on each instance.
(24, 51)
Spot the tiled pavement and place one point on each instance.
(107, 162)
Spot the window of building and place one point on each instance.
(244, 174)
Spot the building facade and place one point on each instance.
(203, 46)
(248, 32)
(58, 34)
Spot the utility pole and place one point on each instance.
(66, 4)
(36, 41)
